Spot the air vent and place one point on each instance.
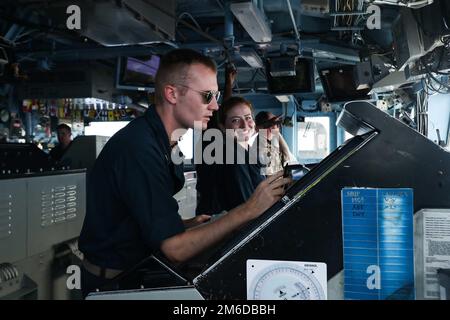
(58, 205)
(5, 215)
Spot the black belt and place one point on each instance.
(98, 271)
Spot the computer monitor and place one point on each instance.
(137, 73)
(339, 84)
(301, 82)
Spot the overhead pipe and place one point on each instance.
(260, 5)
(342, 53)
(297, 35)
(13, 32)
(229, 27)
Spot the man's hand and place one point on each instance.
(266, 194)
(192, 222)
(186, 245)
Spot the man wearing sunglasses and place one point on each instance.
(131, 212)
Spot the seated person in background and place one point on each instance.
(275, 151)
(224, 186)
(64, 134)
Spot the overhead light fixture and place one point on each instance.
(252, 58)
(391, 82)
(283, 98)
(253, 20)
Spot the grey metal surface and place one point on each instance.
(13, 223)
(335, 287)
(407, 43)
(39, 269)
(37, 213)
(112, 25)
(174, 293)
(10, 279)
(56, 209)
(18, 286)
(47, 272)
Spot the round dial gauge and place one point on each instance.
(286, 281)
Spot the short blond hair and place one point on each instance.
(174, 67)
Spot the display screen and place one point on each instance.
(339, 84)
(303, 81)
(296, 171)
(137, 73)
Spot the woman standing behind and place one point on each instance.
(231, 184)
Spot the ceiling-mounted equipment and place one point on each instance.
(117, 23)
(252, 58)
(283, 66)
(413, 4)
(253, 20)
(133, 22)
(391, 82)
(288, 80)
(315, 8)
(408, 45)
(283, 98)
(339, 84)
(414, 34)
(137, 72)
(363, 75)
(75, 80)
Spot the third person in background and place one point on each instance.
(274, 152)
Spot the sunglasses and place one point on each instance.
(207, 95)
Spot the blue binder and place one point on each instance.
(377, 226)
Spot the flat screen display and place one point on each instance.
(137, 73)
(301, 82)
(339, 84)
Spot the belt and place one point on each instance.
(105, 273)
